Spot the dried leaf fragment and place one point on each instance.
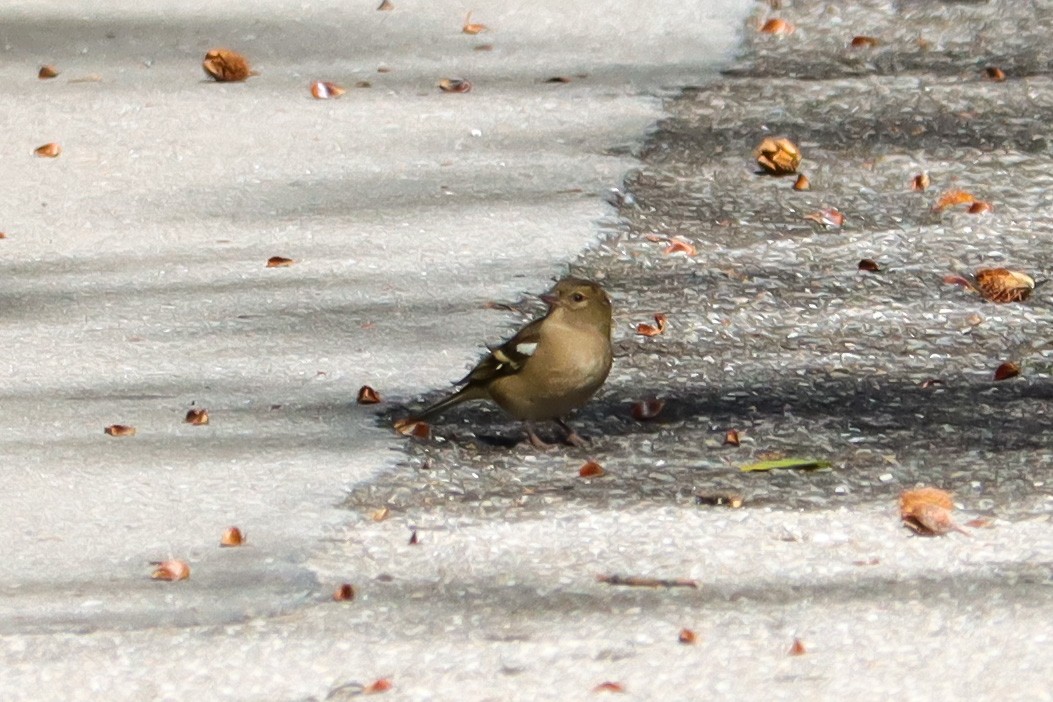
(344, 593)
(797, 648)
(591, 469)
(646, 410)
(927, 511)
(380, 514)
(994, 73)
(609, 687)
(225, 66)
(827, 217)
(413, 427)
(470, 27)
(377, 686)
(778, 156)
(920, 182)
(196, 416)
(170, 570)
(454, 85)
(324, 90)
(367, 396)
(687, 637)
(640, 581)
(802, 182)
(679, 245)
(951, 198)
(786, 464)
(869, 265)
(279, 262)
(232, 536)
(120, 430)
(731, 438)
(49, 150)
(864, 42)
(777, 26)
(46, 72)
(655, 329)
(1007, 370)
(1004, 285)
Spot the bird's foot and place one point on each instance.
(537, 442)
(576, 439)
(572, 437)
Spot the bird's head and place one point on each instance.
(580, 301)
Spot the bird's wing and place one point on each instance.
(508, 358)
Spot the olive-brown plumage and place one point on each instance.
(552, 366)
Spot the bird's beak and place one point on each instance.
(550, 299)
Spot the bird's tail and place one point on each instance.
(468, 392)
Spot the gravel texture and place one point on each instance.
(774, 331)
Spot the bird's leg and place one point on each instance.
(535, 440)
(573, 437)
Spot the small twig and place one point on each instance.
(639, 581)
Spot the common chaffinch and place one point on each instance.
(551, 367)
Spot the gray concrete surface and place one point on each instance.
(774, 331)
(134, 287)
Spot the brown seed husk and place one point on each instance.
(927, 511)
(1007, 370)
(49, 150)
(1003, 285)
(778, 156)
(367, 396)
(413, 427)
(470, 27)
(591, 469)
(324, 90)
(993, 73)
(171, 570)
(864, 42)
(954, 197)
(231, 537)
(226, 66)
(777, 26)
(454, 85)
(197, 417)
(645, 410)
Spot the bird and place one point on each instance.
(550, 367)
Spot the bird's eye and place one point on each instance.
(577, 297)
